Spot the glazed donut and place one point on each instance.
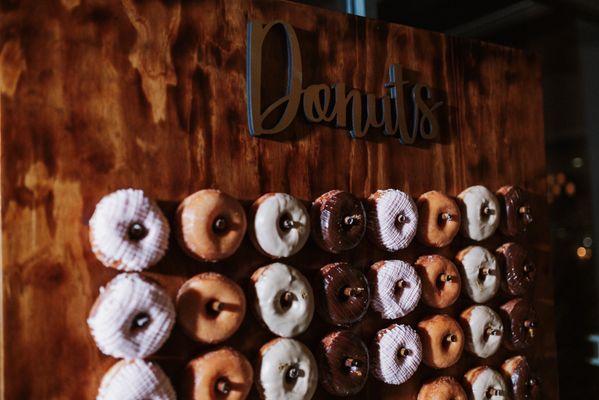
(518, 375)
(395, 288)
(281, 225)
(438, 219)
(484, 383)
(440, 279)
(442, 341)
(517, 214)
(520, 323)
(442, 388)
(343, 360)
(342, 293)
(211, 225)
(284, 299)
(135, 379)
(128, 231)
(131, 318)
(396, 354)
(518, 269)
(480, 212)
(338, 221)
(480, 274)
(286, 370)
(219, 374)
(210, 307)
(392, 219)
(483, 329)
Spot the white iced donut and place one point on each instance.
(128, 231)
(484, 383)
(392, 219)
(135, 380)
(395, 288)
(284, 299)
(132, 317)
(480, 212)
(483, 330)
(397, 353)
(281, 225)
(287, 370)
(480, 274)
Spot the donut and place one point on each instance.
(484, 383)
(343, 363)
(442, 341)
(519, 377)
(396, 354)
(480, 212)
(338, 221)
(480, 273)
(280, 225)
(483, 329)
(438, 219)
(286, 370)
(128, 231)
(135, 379)
(132, 317)
(517, 213)
(210, 307)
(218, 375)
(442, 388)
(211, 225)
(520, 324)
(392, 219)
(518, 269)
(283, 299)
(342, 293)
(440, 279)
(395, 288)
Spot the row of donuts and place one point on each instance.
(129, 232)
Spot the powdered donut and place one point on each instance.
(396, 354)
(517, 214)
(392, 219)
(133, 380)
(128, 231)
(440, 280)
(483, 329)
(284, 299)
(281, 225)
(518, 375)
(395, 288)
(286, 370)
(484, 383)
(442, 341)
(211, 225)
(218, 375)
(520, 323)
(480, 273)
(519, 270)
(442, 388)
(480, 212)
(210, 307)
(338, 221)
(344, 361)
(131, 318)
(438, 219)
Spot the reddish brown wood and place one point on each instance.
(87, 108)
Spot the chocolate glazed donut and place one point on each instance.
(524, 385)
(520, 323)
(343, 361)
(517, 214)
(518, 269)
(338, 221)
(343, 293)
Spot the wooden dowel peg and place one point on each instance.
(451, 338)
(486, 271)
(352, 220)
(492, 332)
(446, 216)
(402, 219)
(353, 292)
(219, 225)
(446, 277)
(488, 211)
(217, 306)
(404, 352)
(223, 386)
(494, 392)
(287, 224)
(401, 284)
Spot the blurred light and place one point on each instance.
(577, 162)
(550, 179)
(570, 189)
(561, 178)
(587, 241)
(583, 253)
(556, 190)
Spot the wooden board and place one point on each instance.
(98, 96)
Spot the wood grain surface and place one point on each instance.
(101, 95)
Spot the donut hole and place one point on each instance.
(136, 231)
(486, 211)
(220, 225)
(222, 387)
(286, 300)
(214, 308)
(140, 321)
(292, 375)
(351, 220)
(286, 223)
(444, 217)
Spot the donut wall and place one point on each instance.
(229, 198)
